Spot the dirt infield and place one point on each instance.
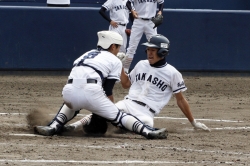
(221, 102)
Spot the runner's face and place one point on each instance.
(152, 55)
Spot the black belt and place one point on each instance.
(147, 19)
(143, 104)
(89, 81)
(121, 24)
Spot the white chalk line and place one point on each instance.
(162, 117)
(122, 146)
(185, 129)
(110, 162)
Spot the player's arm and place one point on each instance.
(160, 9)
(131, 9)
(184, 106)
(108, 88)
(102, 12)
(125, 80)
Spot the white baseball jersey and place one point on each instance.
(154, 86)
(120, 14)
(118, 10)
(107, 63)
(146, 8)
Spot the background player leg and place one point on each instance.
(135, 37)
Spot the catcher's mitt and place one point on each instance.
(97, 126)
(157, 20)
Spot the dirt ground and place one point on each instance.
(222, 102)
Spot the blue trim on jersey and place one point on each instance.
(179, 89)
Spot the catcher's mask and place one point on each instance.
(106, 38)
(160, 42)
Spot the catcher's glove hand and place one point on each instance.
(97, 126)
(122, 56)
(157, 20)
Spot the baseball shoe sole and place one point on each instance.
(44, 130)
(158, 134)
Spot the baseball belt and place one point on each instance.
(89, 81)
(146, 19)
(121, 24)
(143, 104)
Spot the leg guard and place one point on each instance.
(63, 116)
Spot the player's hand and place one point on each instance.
(114, 24)
(199, 125)
(134, 13)
(122, 56)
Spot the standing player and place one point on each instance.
(118, 19)
(152, 83)
(143, 12)
(93, 72)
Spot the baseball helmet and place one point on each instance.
(161, 42)
(106, 38)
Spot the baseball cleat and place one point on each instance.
(158, 134)
(45, 130)
(69, 128)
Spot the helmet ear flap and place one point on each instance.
(162, 52)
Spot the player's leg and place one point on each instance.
(135, 37)
(126, 106)
(106, 109)
(121, 30)
(137, 110)
(149, 30)
(64, 115)
(133, 124)
(78, 124)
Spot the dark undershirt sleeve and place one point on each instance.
(108, 86)
(102, 12)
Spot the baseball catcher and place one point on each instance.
(157, 20)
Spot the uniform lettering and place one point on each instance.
(154, 80)
(180, 84)
(143, 76)
(149, 78)
(160, 83)
(120, 7)
(144, 1)
(164, 87)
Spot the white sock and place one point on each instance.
(84, 121)
(133, 124)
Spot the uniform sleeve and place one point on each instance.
(160, 1)
(116, 71)
(108, 4)
(178, 84)
(132, 73)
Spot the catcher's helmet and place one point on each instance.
(161, 42)
(106, 38)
